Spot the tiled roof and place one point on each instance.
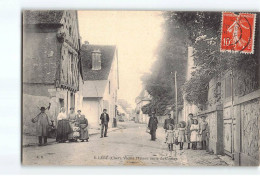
(107, 55)
(42, 17)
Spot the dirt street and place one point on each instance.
(128, 146)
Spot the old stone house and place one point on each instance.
(51, 64)
(101, 81)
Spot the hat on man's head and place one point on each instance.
(190, 114)
(72, 108)
(42, 109)
(104, 109)
(79, 110)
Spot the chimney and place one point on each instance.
(96, 60)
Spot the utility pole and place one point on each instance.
(176, 97)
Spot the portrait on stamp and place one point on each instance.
(238, 31)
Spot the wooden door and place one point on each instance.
(91, 111)
(228, 116)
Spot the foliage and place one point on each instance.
(202, 31)
(210, 62)
(171, 57)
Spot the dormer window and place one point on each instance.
(96, 60)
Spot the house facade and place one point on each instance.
(187, 107)
(101, 82)
(143, 99)
(51, 64)
(122, 114)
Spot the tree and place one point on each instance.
(171, 57)
(202, 31)
(210, 62)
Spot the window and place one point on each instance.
(96, 60)
(72, 100)
(71, 67)
(70, 30)
(71, 63)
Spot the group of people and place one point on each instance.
(191, 132)
(69, 128)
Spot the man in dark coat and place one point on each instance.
(152, 125)
(167, 122)
(42, 126)
(104, 123)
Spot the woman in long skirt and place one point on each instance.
(74, 135)
(83, 123)
(63, 127)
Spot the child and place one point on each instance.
(203, 132)
(181, 135)
(170, 137)
(194, 134)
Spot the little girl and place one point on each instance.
(194, 134)
(170, 137)
(181, 135)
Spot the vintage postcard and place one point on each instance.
(140, 88)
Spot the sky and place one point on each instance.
(136, 35)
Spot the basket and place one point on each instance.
(148, 130)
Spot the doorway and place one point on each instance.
(72, 100)
(61, 103)
(228, 116)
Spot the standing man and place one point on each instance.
(167, 122)
(152, 125)
(104, 123)
(188, 132)
(42, 126)
(203, 129)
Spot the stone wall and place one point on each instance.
(31, 108)
(247, 113)
(40, 56)
(36, 96)
(250, 116)
(214, 118)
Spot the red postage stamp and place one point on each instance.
(238, 32)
